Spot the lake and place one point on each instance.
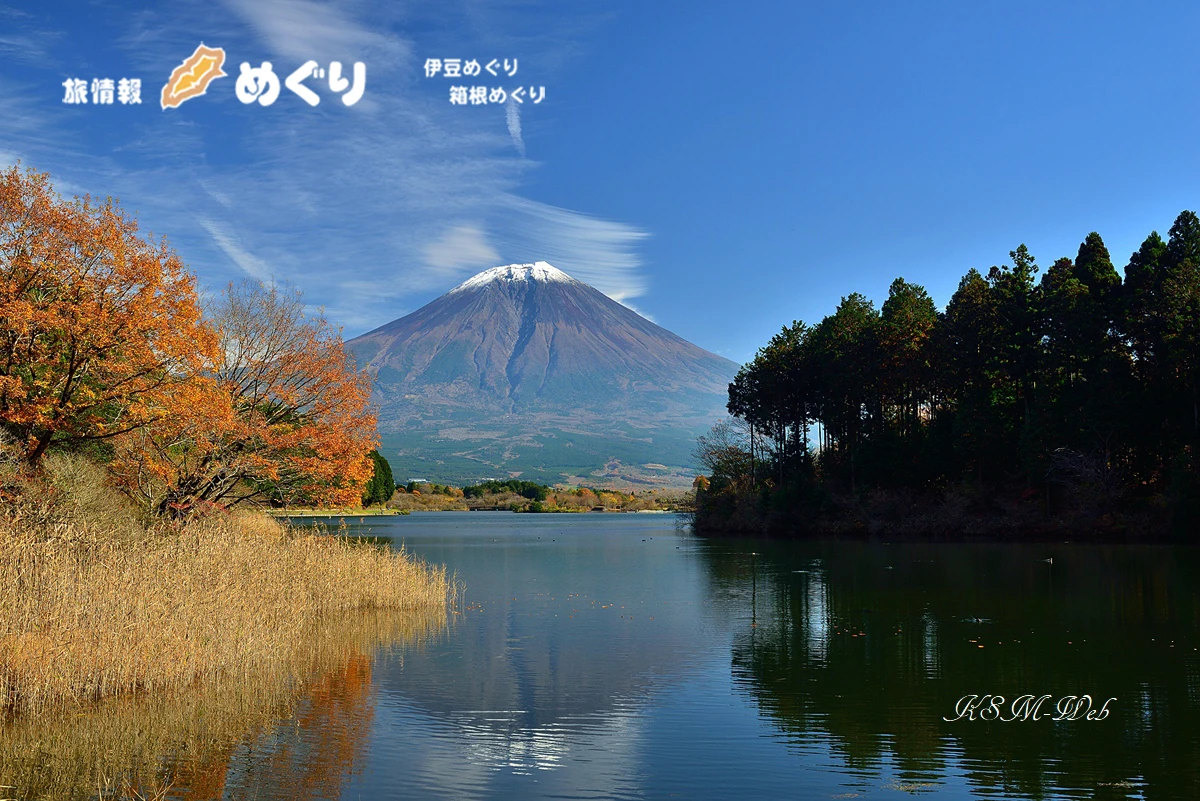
(618, 656)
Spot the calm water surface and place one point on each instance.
(615, 656)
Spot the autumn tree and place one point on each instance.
(724, 452)
(286, 420)
(102, 333)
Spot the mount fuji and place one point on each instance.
(523, 370)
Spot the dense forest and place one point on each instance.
(1036, 402)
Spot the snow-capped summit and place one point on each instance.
(513, 273)
(524, 368)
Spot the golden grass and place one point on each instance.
(95, 605)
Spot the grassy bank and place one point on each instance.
(97, 603)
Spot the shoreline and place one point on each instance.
(110, 604)
(277, 514)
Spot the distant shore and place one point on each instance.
(519, 496)
(327, 513)
(349, 512)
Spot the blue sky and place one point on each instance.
(724, 168)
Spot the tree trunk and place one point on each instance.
(753, 466)
(43, 443)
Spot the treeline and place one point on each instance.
(1070, 396)
(105, 349)
(526, 489)
(427, 488)
(527, 496)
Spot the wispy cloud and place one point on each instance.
(303, 29)
(23, 48)
(603, 253)
(512, 115)
(462, 246)
(22, 39)
(371, 210)
(249, 263)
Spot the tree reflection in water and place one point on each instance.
(866, 647)
(314, 755)
(297, 729)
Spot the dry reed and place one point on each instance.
(93, 604)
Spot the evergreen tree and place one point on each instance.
(1140, 297)
(969, 353)
(845, 359)
(1179, 310)
(906, 323)
(1142, 326)
(1021, 350)
(1064, 392)
(382, 485)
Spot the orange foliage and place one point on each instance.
(102, 333)
(287, 417)
(103, 339)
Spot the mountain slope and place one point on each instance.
(520, 363)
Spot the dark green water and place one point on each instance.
(614, 656)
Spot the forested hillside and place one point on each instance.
(1063, 399)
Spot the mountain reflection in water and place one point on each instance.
(617, 656)
(610, 656)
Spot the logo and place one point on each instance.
(192, 77)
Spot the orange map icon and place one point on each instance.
(192, 77)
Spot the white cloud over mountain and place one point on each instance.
(371, 210)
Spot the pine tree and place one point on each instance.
(382, 485)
